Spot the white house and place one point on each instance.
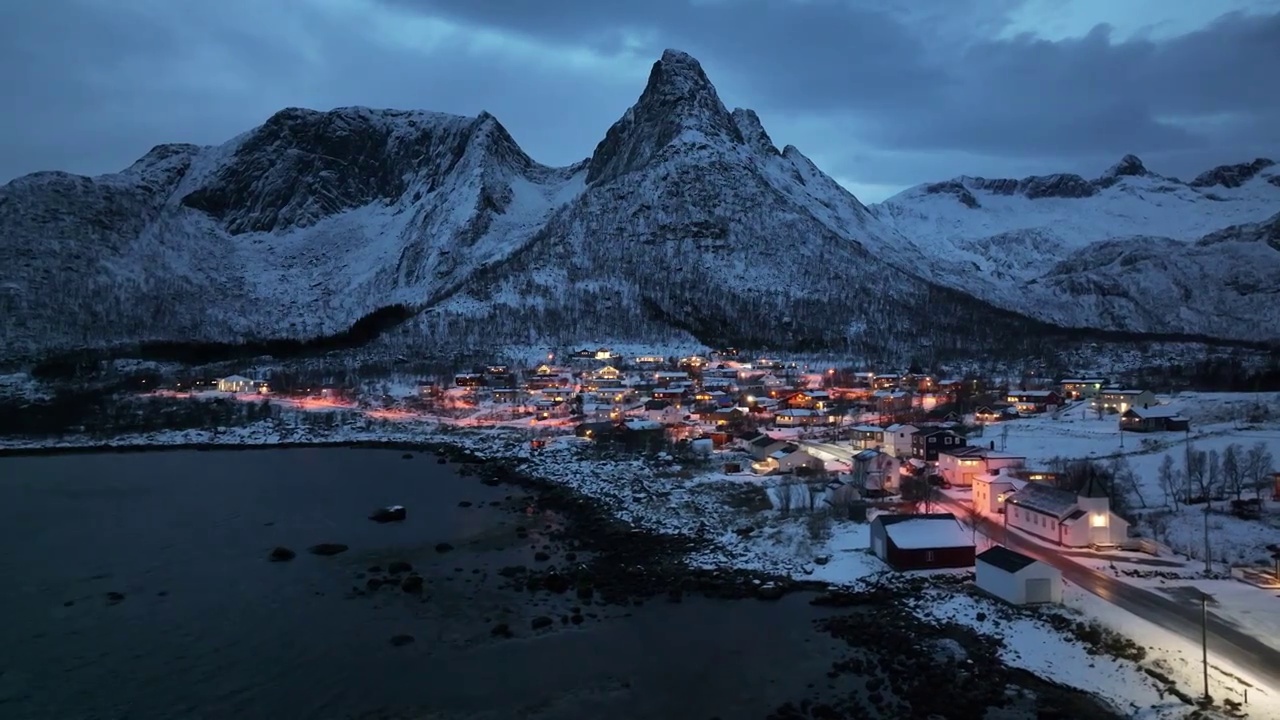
(1061, 516)
(1119, 399)
(897, 439)
(762, 446)
(874, 470)
(787, 459)
(990, 492)
(236, 384)
(661, 411)
(960, 465)
(1016, 578)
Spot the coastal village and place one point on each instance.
(1052, 493)
(858, 442)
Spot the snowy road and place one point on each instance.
(1225, 640)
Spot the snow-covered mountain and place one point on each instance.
(1130, 250)
(685, 220)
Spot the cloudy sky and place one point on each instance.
(882, 94)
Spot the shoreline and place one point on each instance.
(633, 553)
(53, 450)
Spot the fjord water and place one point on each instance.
(208, 628)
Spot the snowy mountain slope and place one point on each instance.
(685, 221)
(693, 219)
(295, 229)
(1122, 251)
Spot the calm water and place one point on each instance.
(209, 629)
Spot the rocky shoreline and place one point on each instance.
(908, 666)
(902, 663)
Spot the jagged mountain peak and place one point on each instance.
(1231, 176)
(753, 132)
(679, 105)
(1129, 166)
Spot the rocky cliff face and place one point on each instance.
(1127, 250)
(686, 220)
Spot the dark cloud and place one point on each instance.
(883, 94)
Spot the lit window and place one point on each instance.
(1098, 520)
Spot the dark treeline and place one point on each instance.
(362, 332)
(1221, 374)
(95, 413)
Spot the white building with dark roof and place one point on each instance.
(1064, 517)
(1016, 578)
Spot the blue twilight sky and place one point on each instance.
(882, 94)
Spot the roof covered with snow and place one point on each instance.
(924, 533)
(1152, 413)
(1044, 499)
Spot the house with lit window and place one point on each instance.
(1118, 400)
(960, 465)
(990, 492)
(897, 439)
(1086, 387)
(927, 443)
(1033, 402)
(1070, 519)
(787, 459)
(804, 418)
(1153, 419)
(867, 437)
(237, 384)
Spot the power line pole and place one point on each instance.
(1204, 642)
(1208, 564)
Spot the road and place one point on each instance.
(1253, 656)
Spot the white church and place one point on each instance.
(1070, 519)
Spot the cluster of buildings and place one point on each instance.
(715, 391)
(1138, 409)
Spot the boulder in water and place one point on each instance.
(282, 554)
(390, 513)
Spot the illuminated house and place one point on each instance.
(236, 384)
(1153, 419)
(960, 465)
(1030, 402)
(867, 437)
(1118, 399)
(1066, 518)
(991, 491)
(1076, 388)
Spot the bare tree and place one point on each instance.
(1232, 470)
(1259, 464)
(1193, 472)
(1170, 481)
(1123, 476)
(972, 516)
(1212, 474)
(916, 490)
(1004, 436)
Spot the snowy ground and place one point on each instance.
(1031, 643)
(1217, 421)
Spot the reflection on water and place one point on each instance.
(208, 628)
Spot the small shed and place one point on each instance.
(1016, 578)
(920, 542)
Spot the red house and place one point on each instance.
(922, 542)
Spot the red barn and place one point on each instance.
(922, 542)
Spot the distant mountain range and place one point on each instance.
(440, 232)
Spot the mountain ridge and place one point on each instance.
(685, 218)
